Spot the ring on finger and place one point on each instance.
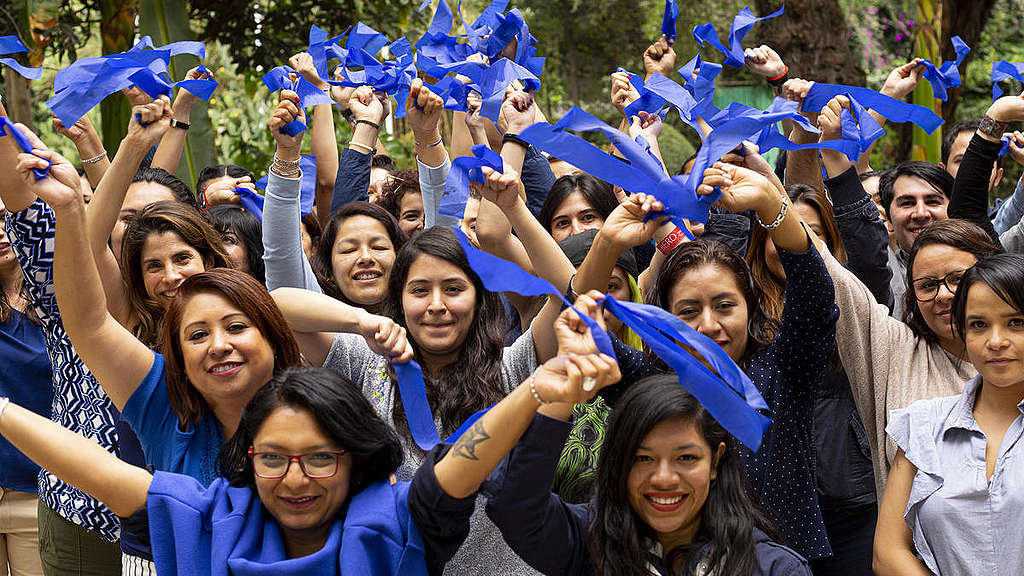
(589, 382)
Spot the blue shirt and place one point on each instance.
(962, 522)
(79, 402)
(167, 447)
(25, 379)
(224, 530)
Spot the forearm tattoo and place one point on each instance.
(465, 446)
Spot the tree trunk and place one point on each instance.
(19, 99)
(117, 29)
(813, 39)
(966, 19)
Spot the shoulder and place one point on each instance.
(774, 559)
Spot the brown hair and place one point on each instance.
(253, 300)
(774, 288)
(958, 234)
(397, 186)
(159, 218)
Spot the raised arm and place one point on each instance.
(899, 84)
(323, 142)
(93, 331)
(423, 108)
(109, 196)
(1012, 210)
(89, 145)
(802, 166)
(168, 154)
(76, 460)
(369, 110)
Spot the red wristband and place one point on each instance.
(780, 76)
(674, 238)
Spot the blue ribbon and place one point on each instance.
(891, 108)
(361, 68)
(464, 170)
(417, 408)
(11, 45)
(8, 127)
(668, 20)
(1003, 70)
(741, 25)
(948, 75)
(279, 78)
(729, 396)
(307, 193)
(82, 85)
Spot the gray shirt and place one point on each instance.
(484, 551)
(898, 265)
(962, 522)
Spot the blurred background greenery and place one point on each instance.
(837, 41)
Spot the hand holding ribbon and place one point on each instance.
(948, 75)
(11, 45)
(890, 108)
(660, 57)
(903, 79)
(44, 172)
(764, 61)
(150, 122)
(741, 25)
(20, 134)
(464, 170)
(668, 22)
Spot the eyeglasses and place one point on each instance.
(926, 288)
(273, 465)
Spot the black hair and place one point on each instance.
(397, 186)
(760, 326)
(1003, 273)
(248, 229)
(323, 257)
(474, 380)
(936, 177)
(80, 170)
(219, 171)
(598, 193)
(384, 161)
(180, 190)
(341, 411)
(971, 126)
(617, 537)
(682, 167)
(871, 174)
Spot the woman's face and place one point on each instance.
(618, 288)
(410, 213)
(932, 264)
(226, 356)
(167, 260)
(304, 507)
(362, 260)
(574, 215)
(238, 254)
(670, 479)
(710, 301)
(994, 334)
(139, 196)
(810, 216)
(439, 302)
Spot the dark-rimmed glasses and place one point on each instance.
(926, 288)
(274, 465)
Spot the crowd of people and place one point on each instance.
(193, 385)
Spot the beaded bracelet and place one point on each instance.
(533, 390)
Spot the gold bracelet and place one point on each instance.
(96, 158)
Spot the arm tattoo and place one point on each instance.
(465, 446)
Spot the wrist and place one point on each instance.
(287, 153)
(426, 137)
(602, 242)
(364, 134)
(181, 111)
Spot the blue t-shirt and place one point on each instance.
(25, 378)
(224, 530)
(167, 447)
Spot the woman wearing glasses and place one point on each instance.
(306, 488)
(892, 364)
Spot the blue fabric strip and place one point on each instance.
(307, 193)
(12, 45)
(417, 408)
(1003, 70)
(464, 170)
(891, 108)
(948, 75)
(741, 25)
(668, 20)
(8, 127)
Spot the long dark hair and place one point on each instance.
(6, 310)
(159, 218)
(598, 193)
(617, 537)
(323, 259)
(474, 380)
(1003, 273)
(252, 299)
(761, 328)
(342, 413)
(247, 228)
(958, 234)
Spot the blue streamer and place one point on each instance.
(668, 20)
(8, 127)
(496, 78)
(11, 45)
(741, 25)
(82, 85)
(307, 193)
(466, 169)
(1003, 70)
(361, 68)
(948, 75)
(279, 78)
(417, 407)
(891, 108)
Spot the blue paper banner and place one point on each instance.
(307, 193)
(890, 108)
(741, 25)
(464, 170)
(948, 75)
(11, 45)
(1003, 70)
(668, 20)
(8, 127)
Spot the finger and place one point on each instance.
(37, 144)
